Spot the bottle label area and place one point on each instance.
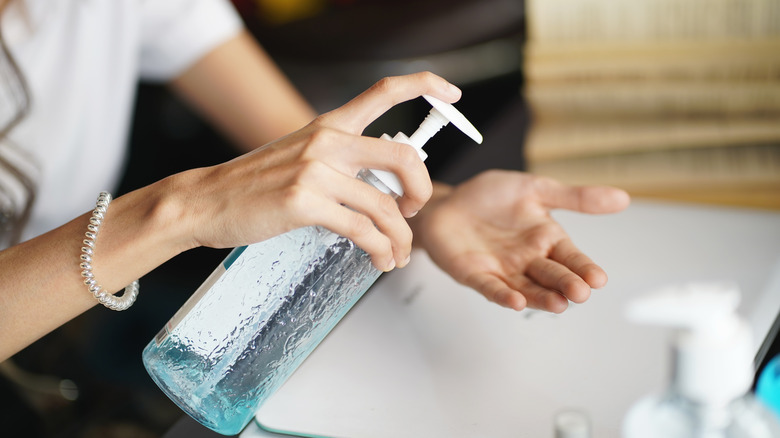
(212, 279)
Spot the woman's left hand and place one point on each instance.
(494, 233)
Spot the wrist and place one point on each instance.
(142, 230)
(417, 223)
(440, 191)
(169, 212)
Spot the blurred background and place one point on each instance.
(670, 99)
(678, 100)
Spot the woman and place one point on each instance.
(81, 61)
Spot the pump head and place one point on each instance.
(713, 345)
(440, 115)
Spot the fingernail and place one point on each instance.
(407, 260)
(413, 214)
(390, 266)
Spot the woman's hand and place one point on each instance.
(494, 233)
(308, 178)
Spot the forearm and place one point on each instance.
(240, 90)
(40, 283)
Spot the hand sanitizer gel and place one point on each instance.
(267, 306)
(709, 396)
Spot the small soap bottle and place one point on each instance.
(267, 306)
(709, 393)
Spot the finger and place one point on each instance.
(403, 161)
(379, 208)
(554, 276)
(350, 153)
(539, 297)
(584, 199)
(358, 113)
(566, 253)
(351, 224)
(496, 290)
(383, 211)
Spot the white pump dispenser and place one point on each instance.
(440, 115)
(712, 371)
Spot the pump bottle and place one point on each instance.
(709, 393)
(267, 306)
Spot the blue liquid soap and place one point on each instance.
(263, 311)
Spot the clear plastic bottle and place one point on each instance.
(266, 307)
(709, 394)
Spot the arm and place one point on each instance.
(240, 90)
(305, 178)
(40, 283)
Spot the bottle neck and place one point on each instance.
(369, 177)
(432, 124)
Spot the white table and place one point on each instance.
(421, 356)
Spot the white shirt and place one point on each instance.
(82, 60)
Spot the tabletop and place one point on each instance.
(421, 355)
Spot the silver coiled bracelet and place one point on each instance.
(87, 251)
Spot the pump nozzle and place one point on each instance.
(440, 115)
(713, 360)
(693, 306)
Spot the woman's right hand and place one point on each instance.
(308, 178)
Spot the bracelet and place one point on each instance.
(105, 298)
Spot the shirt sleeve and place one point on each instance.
(177, 33)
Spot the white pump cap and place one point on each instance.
(713, 345)
(441, 114)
